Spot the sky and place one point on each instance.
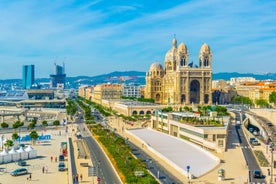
(96, 37)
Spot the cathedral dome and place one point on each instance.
(182, 48)
(205, 48)
(156, 66)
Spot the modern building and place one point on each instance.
(210, 134)
(28, 76)
(181, 82)
(58, 78)
(40, 94)
(132, 90)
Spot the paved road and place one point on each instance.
(247, 152)
(104, 168)
(154, 167)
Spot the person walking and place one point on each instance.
(81, 177)
(56, 159)
(77, 178)
(43, 169)
(51, 158)
(30, 177)
(46, 169)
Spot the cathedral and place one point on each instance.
(181, 82)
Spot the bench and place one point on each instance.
(84, 164)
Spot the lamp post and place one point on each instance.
(188, 172)
(272, 150)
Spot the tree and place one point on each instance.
(33, 136)
(56, 123)
(44, 123)
(17, 124)
(4, 125)
(15, 136)
(272, 97)
(8, 144)
(31, 125)
(262, 103)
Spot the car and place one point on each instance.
(22, 163)
(269, 124)
(61, 166)
(18, 172)
(257, 174)
(255, 143)
(252, 139)
(61, 158)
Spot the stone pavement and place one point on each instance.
(82, 163)
(45, 151)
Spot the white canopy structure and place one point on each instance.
(23, 155)
(6, 157)
(2, 141)
(14, 155)
(31, 152)
(177, 152)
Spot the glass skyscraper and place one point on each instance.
(28, 76)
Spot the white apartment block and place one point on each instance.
(132, 90)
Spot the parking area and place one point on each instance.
(45, 151)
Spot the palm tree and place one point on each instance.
(33, 136)
(8, 144)
(15, 136)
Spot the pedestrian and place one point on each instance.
(81, 177)
(51, 159)
(46, 169)
(30, 177)
(56, 159)
(43, 169)
(77, 178)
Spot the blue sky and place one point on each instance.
(101, 36)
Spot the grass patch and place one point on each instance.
(261, 158)
(121, 156)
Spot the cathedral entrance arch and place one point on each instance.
(206, 99)
(195, 92)
(157, 97)
(183, 99)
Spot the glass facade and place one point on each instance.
(27, 76)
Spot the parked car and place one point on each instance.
(18, 172)
(257, 174)
(61, 166)
(22, 163)
(255, 143)
(61, 158)
(252, 139)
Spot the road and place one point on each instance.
(153, 166)
(247, 152)
(104, 168)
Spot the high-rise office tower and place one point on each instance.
(58, 78)
(28, 76)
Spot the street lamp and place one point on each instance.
(188, 172)
(272, 150)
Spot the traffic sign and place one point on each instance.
(98, 179)
(188, 167)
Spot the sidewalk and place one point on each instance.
(82, 164)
